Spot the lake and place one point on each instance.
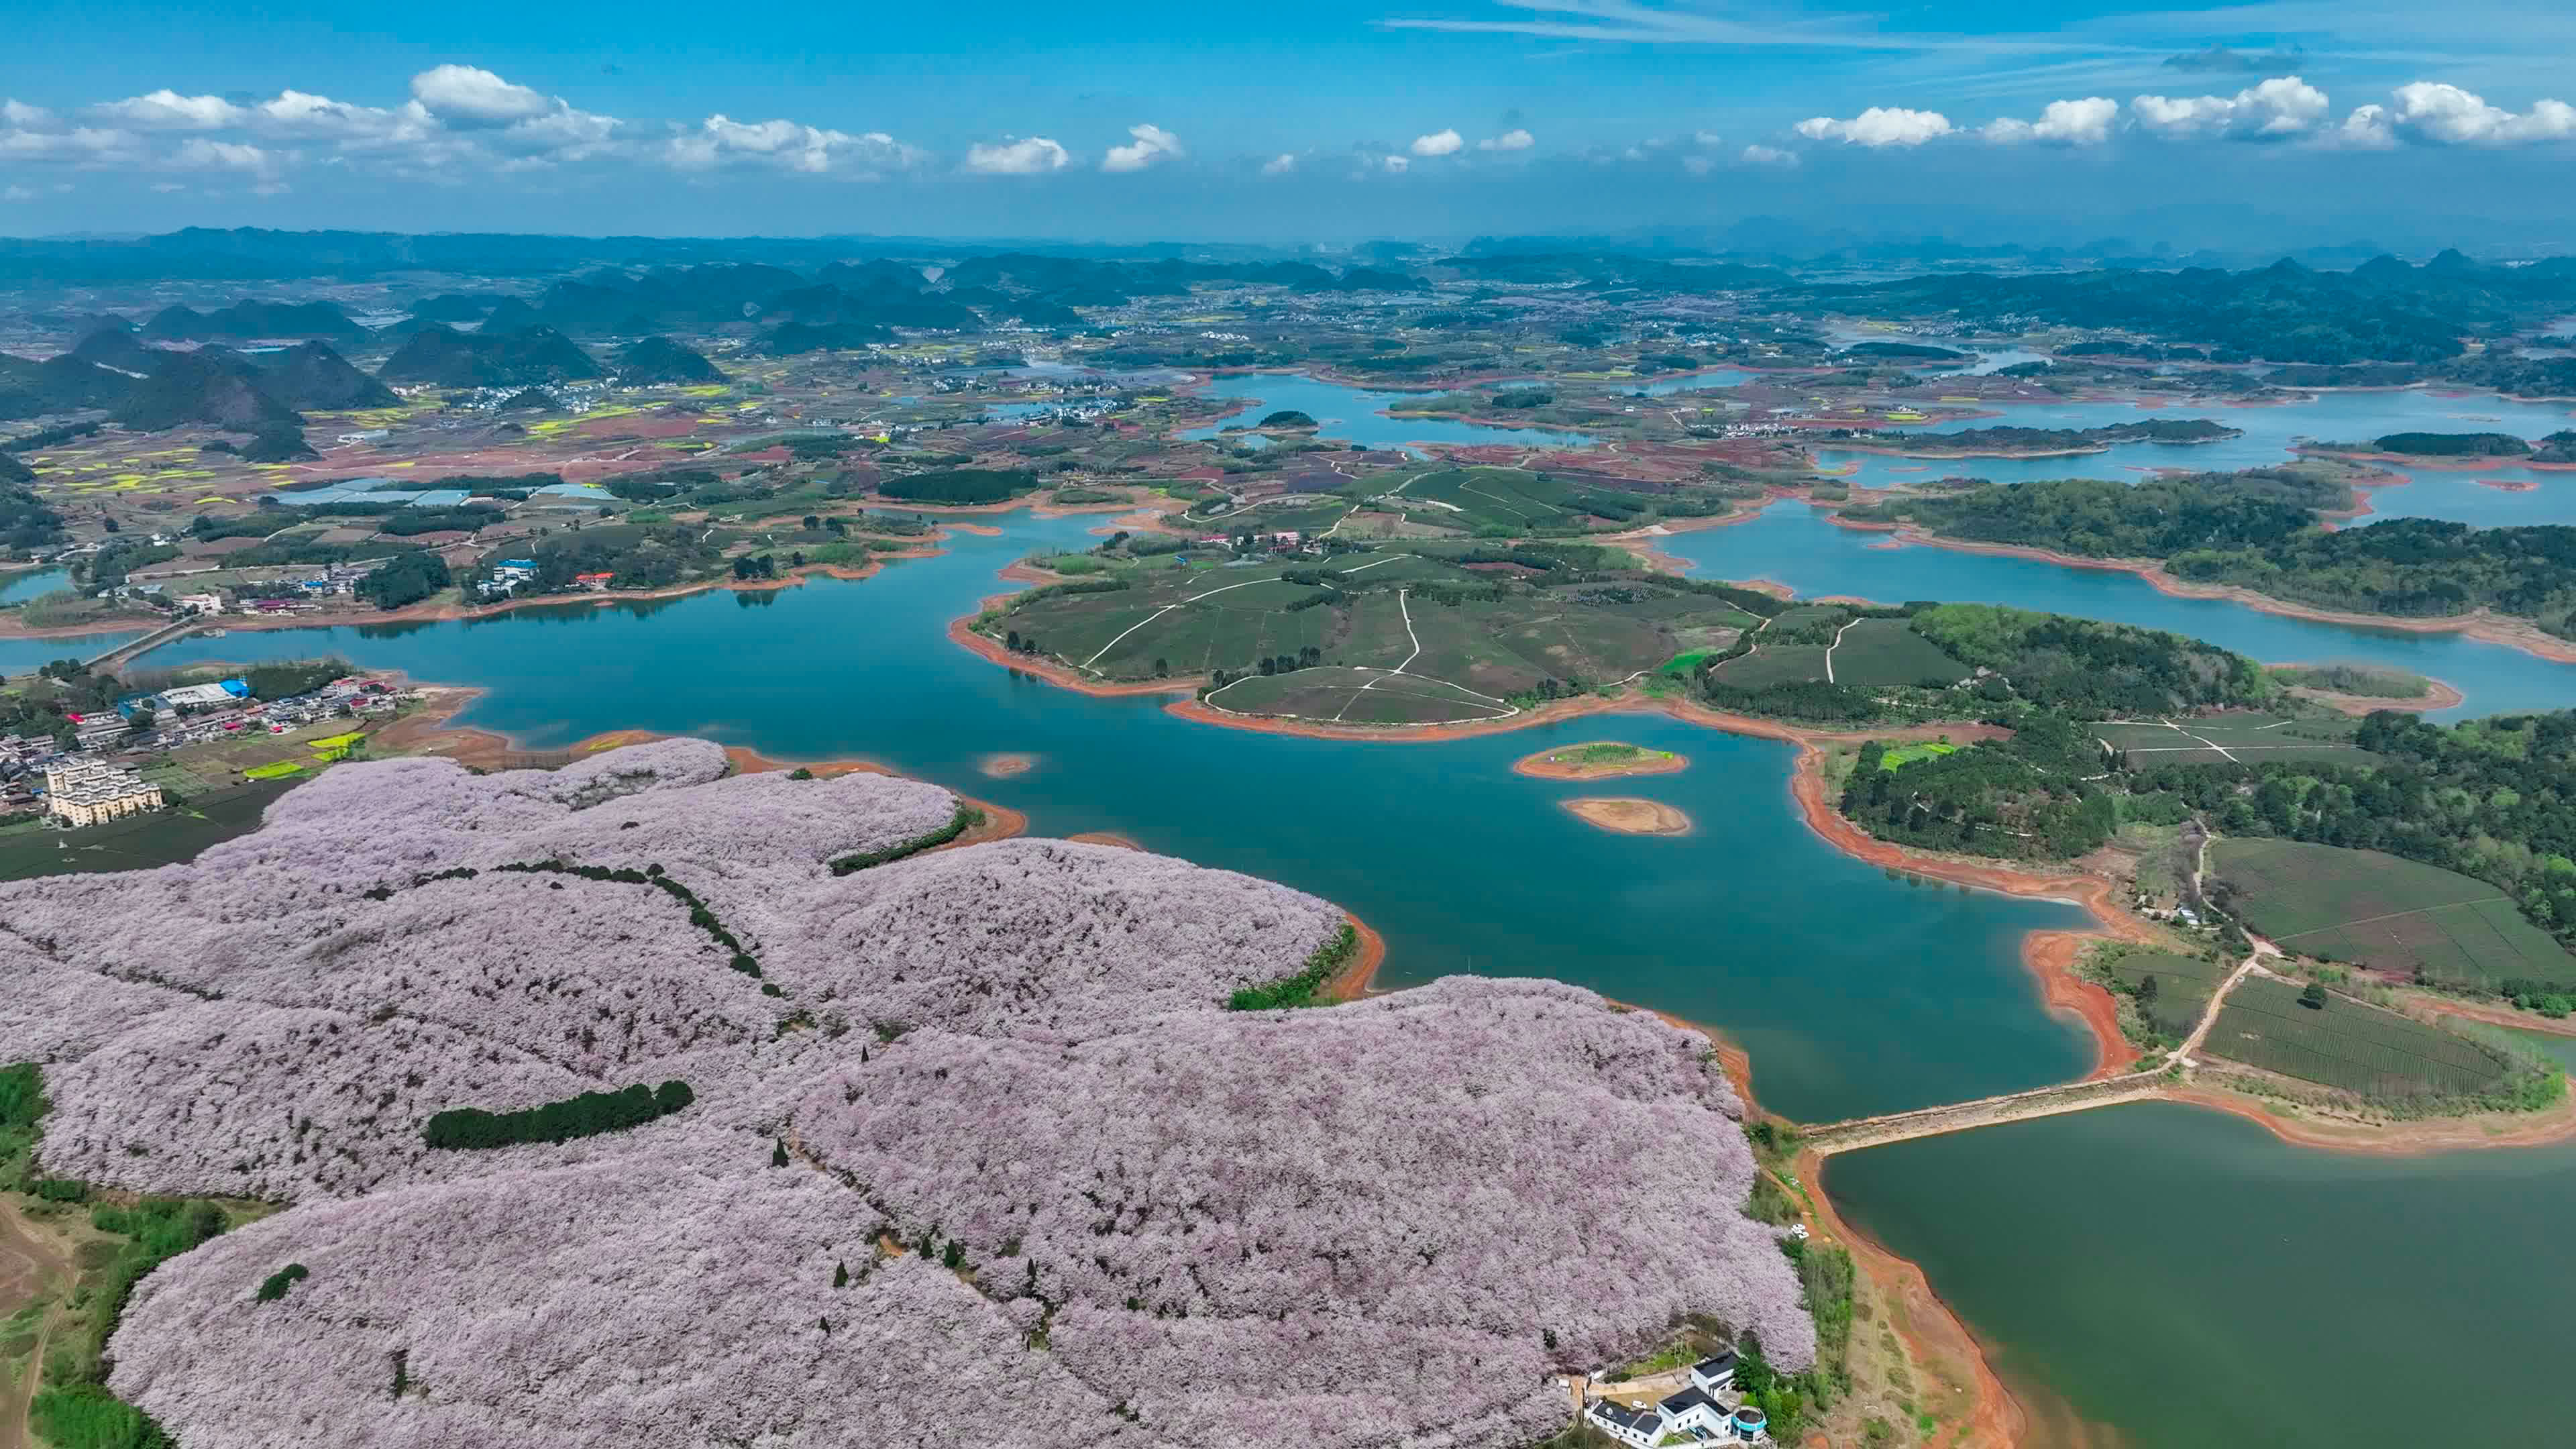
(1793, 543)
(2173, 1272)
(1354, 415)
(2268, 435)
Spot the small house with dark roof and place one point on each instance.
(1712, 1374)
(1641, 1427)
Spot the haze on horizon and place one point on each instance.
(1987, 120)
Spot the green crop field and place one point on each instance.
(1491, 634)
(1770, 664)
(1334, 694)
(2235, 738)
(1908, 754)
(1882, 652)
(2388, 914)
(1486, 497)
(137, 842)
(2350, 1045)
(2183, 984)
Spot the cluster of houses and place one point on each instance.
(82, 791)
(513, 574)
(81, 787)
(1698, 1413)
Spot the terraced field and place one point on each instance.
(1399, 637)
(1877, 653)
(2385, 913)
(2350, 1045)
(2232, 739)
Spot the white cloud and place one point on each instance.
(2065, 123)
(19, 116)
(170, 111)
(1709, 139)
(18, 193)
(2367, 128)
(1025, 157)
(1279, 165)
(787, 146)
(1698, 165)
(1398, 164)
(465, 96)
(300, 113)
(1438, 143)
(82, 145)
(2277, 109)
(1879, 126)
(1512, 140)
(1149, 143)
(200, 154)
(2447, 115)
(1769, 156)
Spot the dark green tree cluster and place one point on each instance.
(2026, 797)
(959, 485)
(405, 579)
(588, 1115)
(2487, 798)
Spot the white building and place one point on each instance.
(89, 792)
(1695, 1412)
(202, 603)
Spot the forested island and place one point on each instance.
(2015, 442)
(2258, 530)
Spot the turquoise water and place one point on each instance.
(32, 584)
(1793, 544)
(1350, 414)
(2191, 1280)
(2172, 1272)
(2268, 435)
(18, 655)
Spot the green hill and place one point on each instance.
(314, 376)
(659, 359)
(446, 357)
(211, 385)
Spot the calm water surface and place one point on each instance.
(1793, 544)
(1351, 414)
(2269, 433)
(2172, 1272)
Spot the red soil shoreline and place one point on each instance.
(1650, 762)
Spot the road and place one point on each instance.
(2145, 1082)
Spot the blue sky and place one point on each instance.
(1326, 121)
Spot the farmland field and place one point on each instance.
(2350, 1045)
(2388, 914)
(2232, 739)
(2183, 984)
(1486, 497)
(1485, 634)
(137, 842)
(1881, 652)
(1774, 664)
(1354, 696)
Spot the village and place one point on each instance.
(154, 750)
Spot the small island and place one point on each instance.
(1626, 815)
(1599, 760)
(2016, 442)
(1002, 767)
(1287, 418)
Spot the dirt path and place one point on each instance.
(30, 1270)
(2209, 1013)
